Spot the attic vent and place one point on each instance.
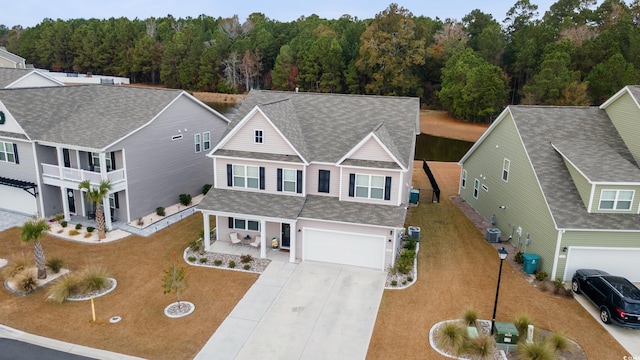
(176, 137)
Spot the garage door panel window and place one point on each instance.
(370, 186)
(616, 199)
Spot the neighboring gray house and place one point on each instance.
(563, 183)
(24, 78)
(151, 144)
(326, 177)
(10, 60)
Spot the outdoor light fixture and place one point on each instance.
(502, 206)
(503, 255)
(564, 249)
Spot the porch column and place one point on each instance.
(107, 212)
(207, 231)
(103, 165)
(65, 204)
(292, 242)
(60, 161)
(263, 239)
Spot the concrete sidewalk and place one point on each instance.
(11, 333)
(305, 311)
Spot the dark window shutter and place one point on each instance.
(352, 184)
(116, 201)
(324, 178)
(261, 177)
(90, 161)
(15, 153)
(299, 182)
(279, 180)
(229, 175)
(387, 188)
(66, 157)
(230, 223)
(113, 161)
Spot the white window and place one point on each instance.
(476, 187)
(257, 136)
(206, 140)
(369, 186)
(505, 169)
(95, 159)
(197, 142)
(463, 182)
(243, 224)
(246, 176)
(289, 180)
(6, 152)
(616, 199)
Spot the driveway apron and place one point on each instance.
(323, 311)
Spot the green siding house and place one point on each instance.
(563, 182)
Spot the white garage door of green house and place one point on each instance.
(343, 248)
(623, 262)
(18, 200)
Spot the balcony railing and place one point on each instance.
(78, 175)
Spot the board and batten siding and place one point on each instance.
(521, 194)
(582, 184)
(371, 150)
(598, 193)
(313, 178)
(604, 239)
(158, 168)
(625, 116)
(270, 173)
(272, 141)
(395, 180)
(344, 227)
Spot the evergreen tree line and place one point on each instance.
(576, 53)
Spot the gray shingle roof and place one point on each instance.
(92, 116)
(9, 75)
(540, 127)
(325, 127)
(292, 207)
(11, 56)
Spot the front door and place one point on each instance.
(285, 235)
(72, 202)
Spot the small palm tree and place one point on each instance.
(96, 195)
(32, 231)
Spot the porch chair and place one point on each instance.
(235, 240)
(256, 242)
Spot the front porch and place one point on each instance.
(225, 247)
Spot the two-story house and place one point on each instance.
(324, 176)
(11, 60)
(563, 183)
(151, 144)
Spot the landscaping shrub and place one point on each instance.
(559, 286)
(521, 323)
(470, 317)
(185, 199)
(17, 263)
(55, 264)
(217, 262)
(246, 267)
(203, 260)
(63, 223)
(479, 347)
(78, 226)
(90, 229)
(206, 188)
(410, 244)
(451, 337)
(246, 258)
(535, 351)
(541, 275)
(394, 283)
(73, 232)
(191, 258)
(557, 341)
(160, 211)
(232, 264)
(140, 222)
(63, 288)
(87, 235)
(409, 279)
(27, 281)
(404, 264)
(519, 258)
(404, 282)
(93, 278)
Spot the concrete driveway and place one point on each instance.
(628, 338)
(310, 310)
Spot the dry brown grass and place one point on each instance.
(137, 264)
(457, 270)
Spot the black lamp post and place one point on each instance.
(503, 255)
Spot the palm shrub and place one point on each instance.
(95, 195)
(535, 351)
(64, 288)
(451, 337)
(32, 231)
(55, 264)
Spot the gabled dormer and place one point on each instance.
(623, 109)
(375, 150)
(601, 189)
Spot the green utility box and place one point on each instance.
(506, 333)
(530, 264)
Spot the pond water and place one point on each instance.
(431, 148)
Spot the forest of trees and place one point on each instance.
(576, 53)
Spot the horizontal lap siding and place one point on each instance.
(624, 115)
(312, 180)
(582, 184)
(159, 169)
(273, 143)
(25, 170)
(270, 173)
(395, 181)
(371, 150)
(598, 192)
(521, 195)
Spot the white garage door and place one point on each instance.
(18, 200)
(343, 248)
(616, 261)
